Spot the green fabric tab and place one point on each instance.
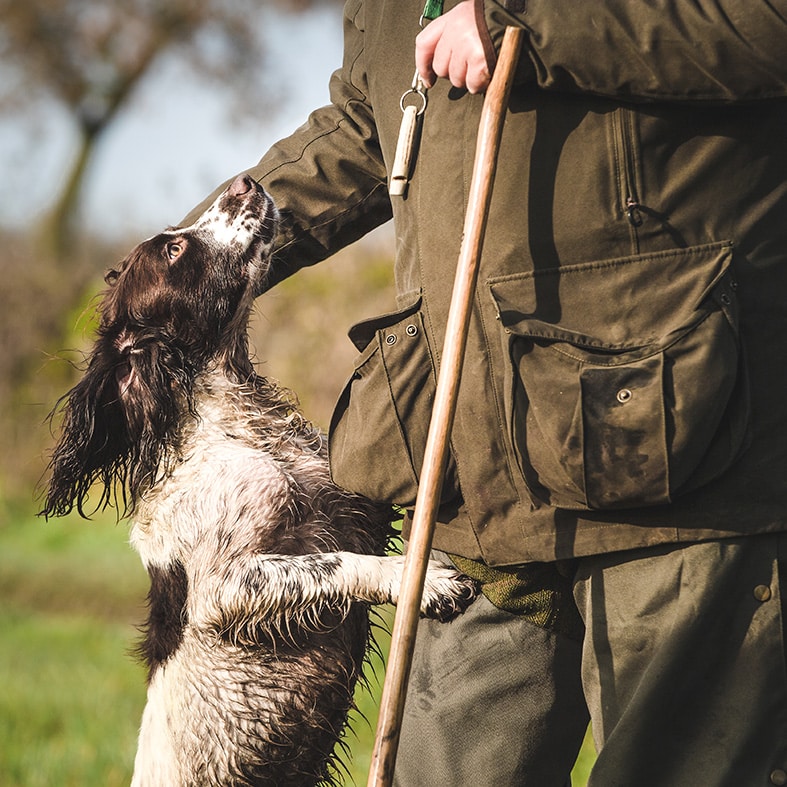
(537, 592)
(432, 9)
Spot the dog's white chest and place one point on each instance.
(222, 484)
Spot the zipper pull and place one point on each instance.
(633, 212)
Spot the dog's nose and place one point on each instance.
(243, 184)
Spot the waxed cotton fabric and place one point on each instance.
(636, 390)
(392, 388)
(606, 154)
(621, 401)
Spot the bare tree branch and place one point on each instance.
(90, 56)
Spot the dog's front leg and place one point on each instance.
(261, 592)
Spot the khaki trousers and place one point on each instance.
(492, 700)
(683, 667)
(684, 664)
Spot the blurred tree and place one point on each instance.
(90, 55)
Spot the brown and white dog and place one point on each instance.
(261, 569)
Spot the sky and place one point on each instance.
(176, 141)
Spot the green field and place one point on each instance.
(71, 695)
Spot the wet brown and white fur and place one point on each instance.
(261, 570)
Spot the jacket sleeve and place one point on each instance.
(328, 178)
(671, 50)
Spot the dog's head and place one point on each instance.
(177, 305)
(191, 287)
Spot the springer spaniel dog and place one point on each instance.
(261, 569)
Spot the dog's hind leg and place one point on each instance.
(156, 762)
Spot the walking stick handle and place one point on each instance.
(433, 468)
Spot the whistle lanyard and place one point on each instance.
(432, 10)
(413, 105)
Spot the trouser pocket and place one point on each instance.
(629, 383)
(377, 437)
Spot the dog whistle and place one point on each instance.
(405, 146)
(407, 141)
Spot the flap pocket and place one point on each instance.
(628, 381)
(377, 437)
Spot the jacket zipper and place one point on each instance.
(628, 161)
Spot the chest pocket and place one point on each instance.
(629, 384)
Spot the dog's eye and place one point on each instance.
(174, 249)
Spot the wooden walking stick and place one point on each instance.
(433, 469)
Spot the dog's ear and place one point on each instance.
(117, 424)
(93, 442)
(155, 390)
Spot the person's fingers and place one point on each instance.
(477, 77)
(457, 70)
(425, 44)
(450, 47)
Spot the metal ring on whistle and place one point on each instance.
(418, 92)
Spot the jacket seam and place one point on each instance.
(582, 267)
(500, 412)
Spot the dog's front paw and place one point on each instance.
(447, 592)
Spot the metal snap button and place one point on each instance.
(762, 593)
(779, 777)
(624, 395)
(390, 339)
(411, 330)
(725, 299)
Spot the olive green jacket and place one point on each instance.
(624, 383)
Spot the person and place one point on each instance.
(618, 448)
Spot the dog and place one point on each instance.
(262, 571)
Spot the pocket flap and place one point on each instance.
(618, 304)
(363, 332)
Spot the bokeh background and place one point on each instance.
(117, 117)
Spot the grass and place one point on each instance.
(69, 702)
(71, 695)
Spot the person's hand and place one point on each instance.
(451, 46)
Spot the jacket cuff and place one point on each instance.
(492, 18)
